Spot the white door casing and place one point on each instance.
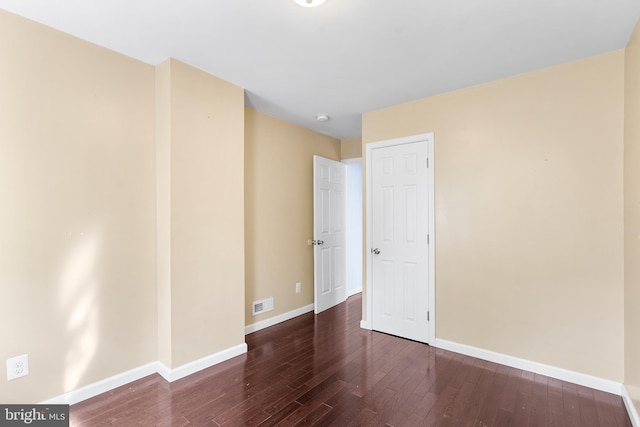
(400, 222)
(329, 234)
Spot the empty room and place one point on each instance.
(320, 212)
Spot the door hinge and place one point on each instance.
(427, 162)
(427, 239)
(428, 316)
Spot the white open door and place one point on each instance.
(399, 222)
(329, 236)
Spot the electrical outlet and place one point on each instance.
(298, 287)
(17, 367)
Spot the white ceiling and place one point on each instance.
(345, 57)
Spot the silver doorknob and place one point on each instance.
(375, 251)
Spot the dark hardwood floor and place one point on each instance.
(325, 371)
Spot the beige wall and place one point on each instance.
(163, 209)
(529, 221)
(279, 211)
(632, 217)
(206, 217)
(87, 139)
(77, 228)
(351, 148)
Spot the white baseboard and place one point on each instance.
(353, 292)
(277, 319)
(172, 375)
(103, 386)
(538, 368)
(365, 324)
(631, 409)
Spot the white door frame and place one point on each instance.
(367, 324)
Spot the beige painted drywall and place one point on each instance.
(632, 217)
(351, 148)
(77, 228)
(206, 202)
(279, 211)
(529, 221)
(163, 209)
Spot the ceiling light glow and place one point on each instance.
(309, 3)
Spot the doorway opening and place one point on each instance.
(354, 226)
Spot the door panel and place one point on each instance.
(329, 218)
(400, 227)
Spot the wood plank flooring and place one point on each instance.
(325, 371)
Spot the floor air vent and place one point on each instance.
(262, 306)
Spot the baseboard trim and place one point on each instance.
(277, 319)
(353, 292)
(170, 375)
(631, 408)
(538, 368)
(91, 390)
(185, 370)
(364, 324)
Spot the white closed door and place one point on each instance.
(329, 235)
(400, 240)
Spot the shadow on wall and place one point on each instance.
(78, 306)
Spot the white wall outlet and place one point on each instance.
(298, 287)
(17, 367)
